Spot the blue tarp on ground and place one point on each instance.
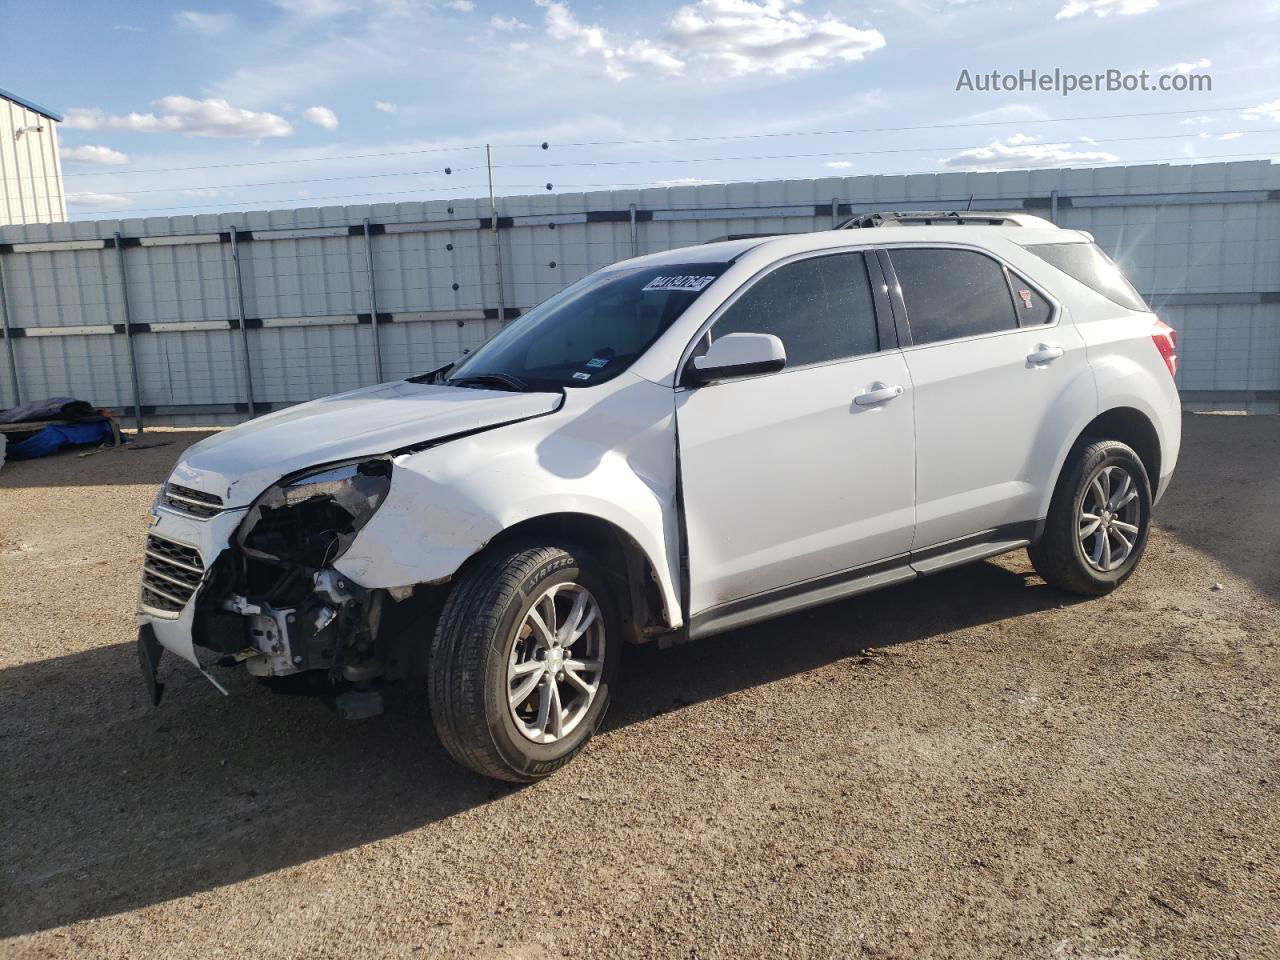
(51, 439)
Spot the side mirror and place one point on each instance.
(737, 355)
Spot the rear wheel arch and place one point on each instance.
(1131, 427)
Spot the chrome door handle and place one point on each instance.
(877, 393)
(1044, 352)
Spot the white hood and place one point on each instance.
(238, 464)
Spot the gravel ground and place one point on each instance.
(969, 766)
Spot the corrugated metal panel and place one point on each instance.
(30, 166)
(1208, 258)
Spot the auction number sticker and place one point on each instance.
(678, 283)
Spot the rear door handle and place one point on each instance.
(877, 393)
(1044, 353)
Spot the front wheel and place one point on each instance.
(524, 653)
(1098, 521)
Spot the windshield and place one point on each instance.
(589, 332)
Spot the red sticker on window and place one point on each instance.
(1026, 298)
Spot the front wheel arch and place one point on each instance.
(628, 567)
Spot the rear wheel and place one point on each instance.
(522, 660)
(1098, 521)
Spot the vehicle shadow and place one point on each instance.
(210, 790)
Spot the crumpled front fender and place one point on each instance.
(609, 456)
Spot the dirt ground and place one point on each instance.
(968, 766)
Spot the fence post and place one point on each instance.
(128, 333)
(8, 339)
(373, 303)
(497, 241)
(835, 212)
(1053, 206)
(635, 232)
(244, 327)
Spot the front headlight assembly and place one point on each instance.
(311, 519)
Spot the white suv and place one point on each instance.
(675, 446)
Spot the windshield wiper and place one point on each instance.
(505, 380)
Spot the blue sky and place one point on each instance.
(281, 102)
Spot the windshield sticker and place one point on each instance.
(582, 376)
(678, 283)
(1026, 298)
(597, 362)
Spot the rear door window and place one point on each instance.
(952, 293)
(820, 308)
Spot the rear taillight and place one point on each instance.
(1166, 341)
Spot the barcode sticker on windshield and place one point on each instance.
(678, 283)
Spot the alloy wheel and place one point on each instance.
(556, 663)
(1110, 518)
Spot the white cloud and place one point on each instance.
(733, 37)
(769, 36)
(1186, 66)
(1016, 153)
(88, 198)
(127, 28)
(1104, 8)
(463, 6)
(519, 47)
(212, 117)
(314, 9)
(102, 156)
(1196, 120)
(840, 164)
(685, 182)
(208, 23)
(1263, 111)
(618, 60)
(321, 117)
(385, 107)
(1233, 135)
(1020, 138)
(498, 22)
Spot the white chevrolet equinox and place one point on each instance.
(674, 446)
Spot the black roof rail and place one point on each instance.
(931, 217)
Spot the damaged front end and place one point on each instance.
(273, 601)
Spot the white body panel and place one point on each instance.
(786, 478)
(989, 424)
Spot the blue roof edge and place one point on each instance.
(34, 107)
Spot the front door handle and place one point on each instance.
(1044, 353)
(877, 393)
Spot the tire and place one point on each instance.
(488, 647)
(1095, 563)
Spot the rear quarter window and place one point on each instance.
(1087, 263)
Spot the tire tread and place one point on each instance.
(466, 626)
(1053, 556)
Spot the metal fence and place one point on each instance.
(214, 318)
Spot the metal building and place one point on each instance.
(30, 168)
(217, 317)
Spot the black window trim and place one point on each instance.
(886, 335)
(900, 308)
